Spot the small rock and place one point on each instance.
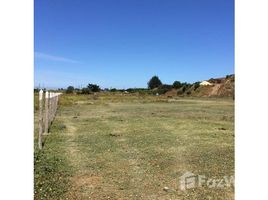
(166, 189)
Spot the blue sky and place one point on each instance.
(123, 43)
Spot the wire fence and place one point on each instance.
(47, 113)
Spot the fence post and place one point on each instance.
(50, 108)
(46, 110)
(40, 119)
(57, 99)
(53, 106)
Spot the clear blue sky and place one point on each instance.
(123, 43)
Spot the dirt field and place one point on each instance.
(131, 147)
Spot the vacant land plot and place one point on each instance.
(130, 147)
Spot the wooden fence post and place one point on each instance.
(57, 99)
(53, 106)
(50, 107)
(40, 119)
(46, 111)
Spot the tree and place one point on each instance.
(70, 90)
(93, 87)
(154, 82)
(176, 84)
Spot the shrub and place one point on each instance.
(176, 84)
(229, 76)
(215, 80)
(180, 92)
(165, 86)
(184, 88)
(93, 87)
(85, 91)
(140, 90)
(196, 85)
(161, 91)
(70, 90)
(131, 90)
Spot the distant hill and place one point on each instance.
(220, 87)
(223, 87)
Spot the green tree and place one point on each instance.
(176, 84)
(154, 82)
(93, 87)
(70, 90)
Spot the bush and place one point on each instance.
(229, 76)
(214, 80)
(165, 86)
(154, 82)
(70, 90)
(185, 84)
(93, 87)
(177, 84)
(85, 91)
(196, 85)
(182, 90)
(131, 90)
(161, 91)
(140, 90)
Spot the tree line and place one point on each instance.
(91, 88)
(154, 86)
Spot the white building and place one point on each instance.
(204, 83)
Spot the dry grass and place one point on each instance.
(131, 147)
